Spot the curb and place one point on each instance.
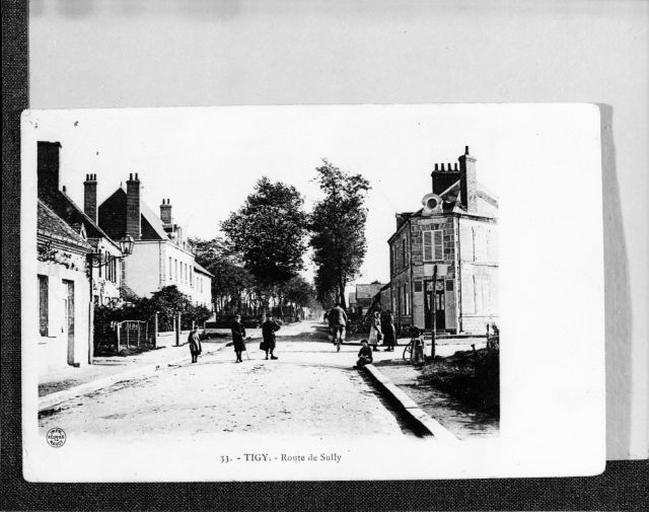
(53, 399)
(410, 407)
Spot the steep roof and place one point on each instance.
(65, 208)
(153, 220)
(50, 225)
(112, 216)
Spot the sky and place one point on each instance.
(207, 160)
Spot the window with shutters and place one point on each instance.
(43, 304)
(433, 245)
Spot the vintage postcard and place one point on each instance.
(343, 292)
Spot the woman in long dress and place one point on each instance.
(389, 332)
(238, 337)
(375, 331)
(195, 348)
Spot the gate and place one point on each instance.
(132, 333)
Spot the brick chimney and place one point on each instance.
(48, 160)
(133, 212)
(90, 196)
(443, 176)
(165, 211)
(468, 182)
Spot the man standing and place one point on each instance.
(268, 329)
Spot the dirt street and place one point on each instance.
(310, 390)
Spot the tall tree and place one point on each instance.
(269, 232)
(338, 230)
(230, 279)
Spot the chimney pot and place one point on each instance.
(466, 150)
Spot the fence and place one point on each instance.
(132, 334)
(113, 337)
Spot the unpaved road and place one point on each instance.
(309, 390)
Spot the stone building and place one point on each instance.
(443, 257)
(161, 254)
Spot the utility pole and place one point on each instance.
(434, 312)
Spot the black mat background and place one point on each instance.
(623, 486)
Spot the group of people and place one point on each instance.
(382, 331)
(268, 329)
(268, 340)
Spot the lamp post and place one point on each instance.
(99, 259)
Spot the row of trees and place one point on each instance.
(260, 258)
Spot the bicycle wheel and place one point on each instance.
(407, 352)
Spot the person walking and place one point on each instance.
(238, 337)
(268, 330)
(376, 334)
(389, 332)
(195, 348)
(337, 324)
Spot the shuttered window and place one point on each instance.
(43, 304)
(433, 245)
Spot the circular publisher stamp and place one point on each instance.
(56, 437)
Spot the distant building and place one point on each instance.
(202, 294)
(364, 297)
(383, 298)
(161, 254)
(453, 237)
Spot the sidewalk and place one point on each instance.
(67, 382)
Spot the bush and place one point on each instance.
(471, 376)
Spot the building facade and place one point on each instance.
(106, 278)
(444, 257)
(161, 254)
(64, 333)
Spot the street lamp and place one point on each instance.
(126, 245)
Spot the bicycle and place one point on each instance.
(414, 350)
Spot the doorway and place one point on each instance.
(68, 317)
(434, 297)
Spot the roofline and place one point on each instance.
(95, 225)
(446, 215)
(202, 270)
(86, 248)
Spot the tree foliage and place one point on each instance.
(269, 232)
(218, 256)
(298, 291)
(338, 231)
